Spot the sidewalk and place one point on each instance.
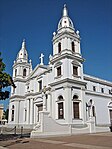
(3, 147)
(85, 141)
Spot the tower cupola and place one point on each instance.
(22, 55)
(65, 21)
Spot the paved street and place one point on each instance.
(85, 141)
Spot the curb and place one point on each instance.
(3, 147)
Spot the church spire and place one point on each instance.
(65, 11)
(22, 55)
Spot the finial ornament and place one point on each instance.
(65, 12)
(54, 33)
(23, 40)
(64, 5)
(41, 59)
(30, 61)
(23, 44)
(77, 32)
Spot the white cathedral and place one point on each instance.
(58, 98)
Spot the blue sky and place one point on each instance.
(36, 20)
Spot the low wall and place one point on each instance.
(50, 127)
(26, 126)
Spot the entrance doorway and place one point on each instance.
(39, 108)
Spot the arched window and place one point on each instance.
(59, 47)
(75, 70)
(12, 118)
(75, 107)
(76, 110)
(59, 71)
(60, 108)
(25, 114)
(93, 110)
(110, 111)
(75, 97)
(73, 46)
(60, 98)
(15, 72)
(24, 72)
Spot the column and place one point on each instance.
(68, 104)
(83, 112)
(34, 113)
(18, 111)
(44, 102)
(49, 103)
(31, 111)
(28, 111)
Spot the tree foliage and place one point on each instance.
(6, 113)
(5, 80)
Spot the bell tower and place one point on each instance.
(66, 48)
(21, 67)
(66, 39)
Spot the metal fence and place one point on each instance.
(20, 132)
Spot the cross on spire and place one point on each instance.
(41, 59)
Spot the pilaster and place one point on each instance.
(28, 111)
(68, 104)
(44, 102)
(31, 111)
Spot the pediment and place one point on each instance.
(39, 69)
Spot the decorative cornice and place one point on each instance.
(98, 94)
(97, 80)
(58, 64)
(64, 34)
(20, 80)
(17, 96)
(21, 64)
(67, 55)
(75, 87)
(75, 63)
(67, 80)
(37, 93)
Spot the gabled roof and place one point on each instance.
(38, 70)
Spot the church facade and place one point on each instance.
(59, 98)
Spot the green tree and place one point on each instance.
(5, 80)
(6, 113)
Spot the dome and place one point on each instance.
(65, 20)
